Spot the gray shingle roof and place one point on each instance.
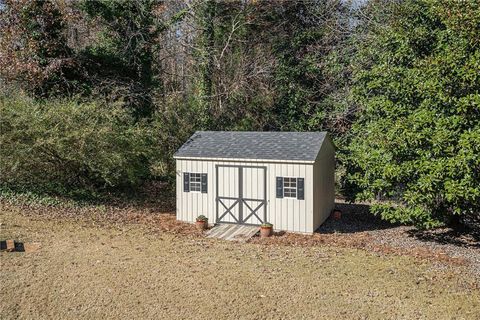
(292, 146)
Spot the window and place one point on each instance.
(290, 187)
(196, 182)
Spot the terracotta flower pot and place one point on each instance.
(337, 214)
(265, 232)
(201, 225)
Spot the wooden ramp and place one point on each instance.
(232, 232)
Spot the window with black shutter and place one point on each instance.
(300, 188)
(186, 182)
(195, 182)
(279, 187)
(288, 187)
(204, 183)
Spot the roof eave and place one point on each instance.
(243, 160)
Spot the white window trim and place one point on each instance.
(291, 189)
(199, 183)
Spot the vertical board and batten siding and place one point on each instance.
(324, 186)
(284, 213)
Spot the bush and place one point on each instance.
(62, 146)
(415, 149)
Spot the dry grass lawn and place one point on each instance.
(86, 270)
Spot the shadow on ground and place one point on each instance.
(357, 218)
(465, 237)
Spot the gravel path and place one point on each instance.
(357, 220)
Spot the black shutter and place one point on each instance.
(279, 187)
(186, 182)
(204, 183)
(300, 188)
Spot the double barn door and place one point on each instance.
(241, 196)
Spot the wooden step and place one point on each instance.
(232, 232)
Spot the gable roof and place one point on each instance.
(280, 146)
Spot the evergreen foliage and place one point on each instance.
(415, 148)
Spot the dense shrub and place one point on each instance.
(64, 145)
(416, 144)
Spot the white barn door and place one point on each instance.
(254, 195)
(228, 193)
(241, 195)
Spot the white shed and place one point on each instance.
(284, 178)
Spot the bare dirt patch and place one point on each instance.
(95, 269)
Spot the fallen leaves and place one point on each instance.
(166, 222)
(360, 240)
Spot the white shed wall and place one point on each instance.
(288, 214)
(324, 183)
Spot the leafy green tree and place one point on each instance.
(415, 149)
(305, 50)
(124, 53)
(228, 50)
(205, 55)
(264, 65)
(34, 54)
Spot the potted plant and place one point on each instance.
(266, 230)
(202, 222)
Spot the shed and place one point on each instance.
(284, 178)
